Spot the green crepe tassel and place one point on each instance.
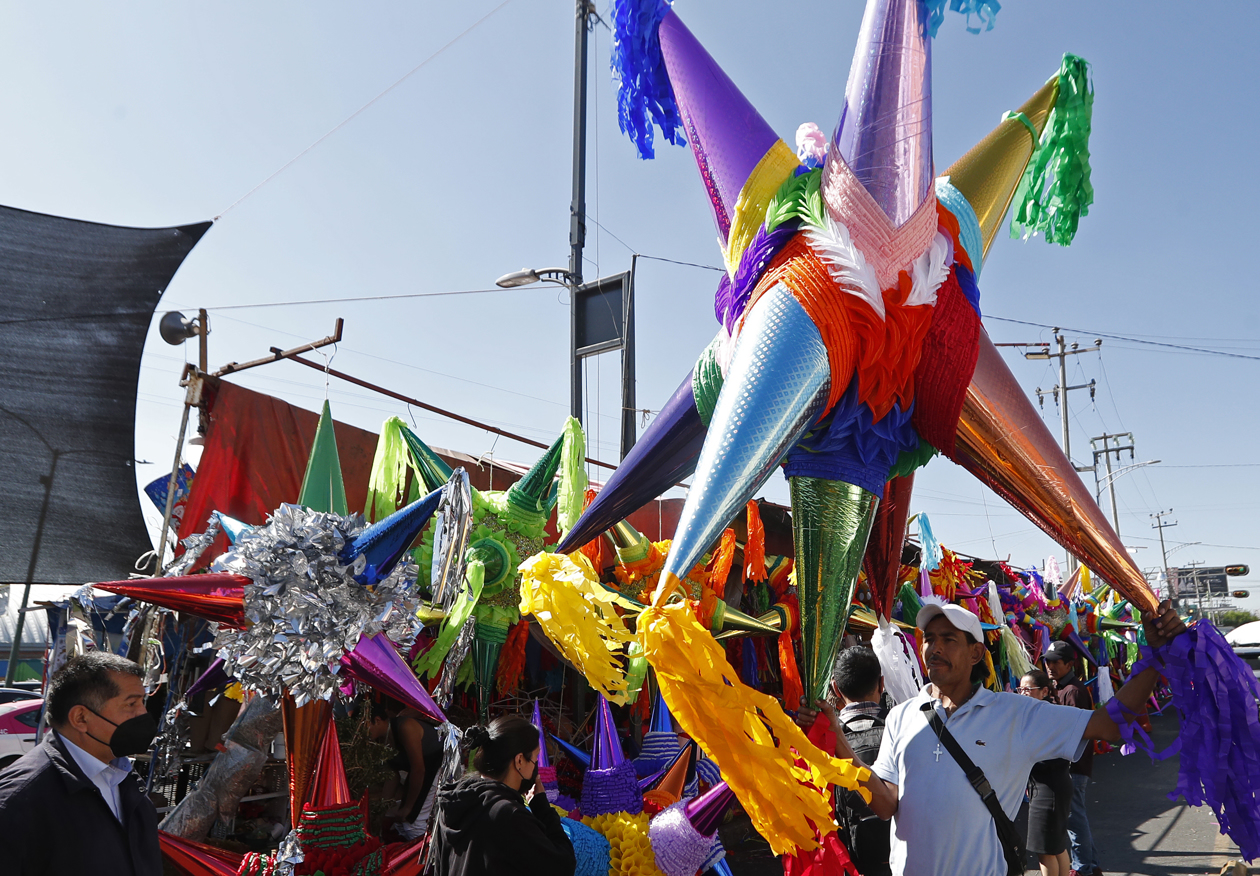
(388, 480)
(1055, 191)
(573, 481)
(322, 486)
(910, 603)
(430, 662)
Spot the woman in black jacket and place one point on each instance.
(484, 827)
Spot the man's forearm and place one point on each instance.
(883, 795)
(1132, 697)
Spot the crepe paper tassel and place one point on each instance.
(432, 469)
(1056, 190)
(1016, 656)
(213, 677)
(644, 95)
(387, 482)
(231, 527)
(755, 545)
(430, 662)
(831, 858)
(376, 662)
(198, 859)
(897, 662)
(984, 10)
(831, 522)
(911, 603)
(590, 847)
(215, 596)
(793, 690)
(572, 476)
(304, 731)
(383, 543)
(577, 614)
(512, 659)
(329, 786)
(719, 568)
(577, 755)
(745, 732)
(1215, 693)
(322, 486)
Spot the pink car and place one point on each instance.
(18, 723)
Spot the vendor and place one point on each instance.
(418, 746)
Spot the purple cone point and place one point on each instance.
(706, 811)
(376, 662)
(543, 760)
(213, 677)
(665, 455)
(885, 129)
(607, 751)
(726, 133)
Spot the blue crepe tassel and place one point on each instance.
(644, 95)
(985, 10)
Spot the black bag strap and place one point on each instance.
(1012, 848)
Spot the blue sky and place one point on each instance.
(157, 114)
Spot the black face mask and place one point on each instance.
(133, 736)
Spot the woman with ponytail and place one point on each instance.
(497, 820)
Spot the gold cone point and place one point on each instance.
(990, 172)
(727, 619)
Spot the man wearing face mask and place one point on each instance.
(72, 804)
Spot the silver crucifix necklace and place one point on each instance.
(938, 751)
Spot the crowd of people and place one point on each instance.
(948, 770)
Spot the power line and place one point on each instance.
(1132, 340)
(357, 112)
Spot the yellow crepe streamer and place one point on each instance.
(759, 189)
(564, 595)
(778, 775)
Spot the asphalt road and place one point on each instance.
(1137, 829)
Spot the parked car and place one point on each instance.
(12, 694)
(1245, 641)
(19, 721)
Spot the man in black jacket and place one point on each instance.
(72, 803)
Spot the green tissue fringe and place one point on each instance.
(706, 382)
(1055, 191)
(911, 460)
(911, 604)
(800, 197)
(573, 481)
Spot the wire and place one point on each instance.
(359, 298)
(361, 109)
(676, 262)
(1133, 340)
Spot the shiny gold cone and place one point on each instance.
(991, 170)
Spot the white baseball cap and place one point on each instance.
(958, 616)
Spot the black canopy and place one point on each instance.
(76, 299)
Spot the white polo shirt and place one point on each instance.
(942, 827)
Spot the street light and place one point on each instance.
(1109, 479)
(529, 276)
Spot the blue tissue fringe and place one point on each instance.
(985, 10)
(644, 95)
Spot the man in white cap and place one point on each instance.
(942, 826)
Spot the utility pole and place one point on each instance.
(577, 209)
(1061, 391)
(1107, 450)
(1161, 526)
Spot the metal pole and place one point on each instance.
(47, 481)
(1063, 408)
(577, 210)
(170, 489)
(628, 401)
(1111, 485)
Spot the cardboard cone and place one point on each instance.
(485, 660)
(610, 783)
(1003, 442)
(831, 521)
(989, 173)
(217, 596)
(213, 677)
(776, 386)
(707, 811)
(606, 751)
(665, 454)
(376, 662)
(533, 493)
(727, 136)
(384, 542)
(232, 527)
(322, 486)
(885, 130)
(543, 759)
(198, 859)
(433, 469)
(329, 786)
(662, 721)
(887, 540)
(304, 731)
(669, 789)
(577, 755)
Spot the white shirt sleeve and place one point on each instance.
(1051, 731)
